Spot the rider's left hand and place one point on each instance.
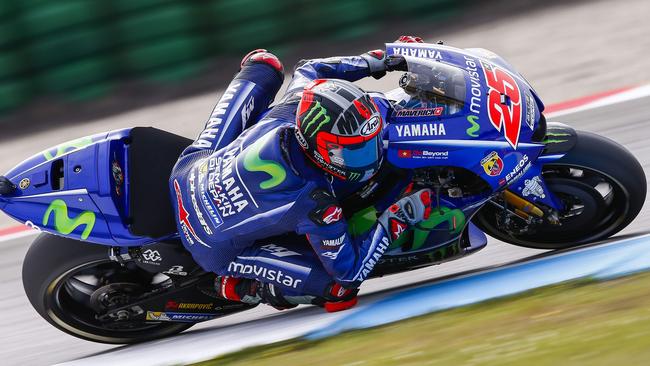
(396, 63)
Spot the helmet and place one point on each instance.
(339, 128)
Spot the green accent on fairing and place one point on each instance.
(444, 214)
(322, 112)
(557, 134)
(64, 224)
(362, 221)
(553, 141)
(68, 146)
(472, 131)
(253, 163)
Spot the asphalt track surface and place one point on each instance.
(565, 51)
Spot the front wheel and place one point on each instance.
(602, 186)
(68, 282)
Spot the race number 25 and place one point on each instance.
(503, 102)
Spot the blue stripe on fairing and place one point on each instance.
(603, 262)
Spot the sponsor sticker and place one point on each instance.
(397, 228)
(373, 259)
(24, 183)
(420, 129)
(370, 126)
(184, 218)
(533, 187)
(213, 126)
(153, 257)
(271, 275)
(404, 153)
(278, 251)
(530, 112)
(418, 52)
(522, 166)
(178, 317)
(176, 270)
(332, 214)
(420, 112)
(423, 154)
(173, 305)
(332, 243)
(224, 185)
(195, 203)
(492, 164)
(333, 254)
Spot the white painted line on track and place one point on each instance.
(621, 97)
(18, 235)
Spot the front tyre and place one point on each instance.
(602, 186)
(60, 276)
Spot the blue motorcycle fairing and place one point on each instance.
(77, 189)
(469, 138)
(559, 140)
(96, 197)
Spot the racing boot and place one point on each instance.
(337, 298)
(253, 292)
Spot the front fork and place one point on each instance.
(529, 196)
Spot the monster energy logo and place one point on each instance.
(317, 116)
(253, 163)
(552, 138)
(70, 145)
(64, 224)
(354, 176)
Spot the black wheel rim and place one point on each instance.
(69, 300)
(595, 205)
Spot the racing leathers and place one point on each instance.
(242, 188)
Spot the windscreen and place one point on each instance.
(433, 86)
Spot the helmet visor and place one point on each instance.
(359, 155)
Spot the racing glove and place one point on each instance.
(405, 213)
(396, 63)
(409, 39)
(6, 187)
(376, 65)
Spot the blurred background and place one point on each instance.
(72, 60)
(56, 54)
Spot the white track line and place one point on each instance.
(624, 96)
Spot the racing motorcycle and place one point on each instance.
(109, 267)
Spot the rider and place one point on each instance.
(241, 183)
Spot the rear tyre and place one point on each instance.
(60, 276)
(602, 186)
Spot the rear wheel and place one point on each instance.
(602, 187)
(71, 283)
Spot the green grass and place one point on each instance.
(582, 323)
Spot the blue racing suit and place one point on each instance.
(241, 182)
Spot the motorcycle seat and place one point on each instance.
(152, 155)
